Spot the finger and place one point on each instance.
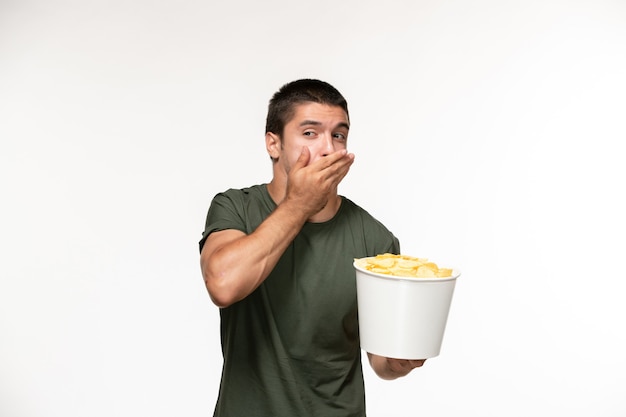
(417, 363)
(303, 159)
(331, 159)
(339, 170)
(335, 162)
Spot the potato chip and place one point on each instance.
(425, 271)
(403, 266)
(385, 263)
(407, 263)
(444, 272)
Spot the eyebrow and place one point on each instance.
(316, 123)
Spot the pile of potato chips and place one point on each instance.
(403, 266)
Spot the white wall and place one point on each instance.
(486, 134)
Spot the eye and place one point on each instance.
(339, 136)
(309, 133)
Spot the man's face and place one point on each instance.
(320, 127)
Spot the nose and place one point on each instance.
(328, 145)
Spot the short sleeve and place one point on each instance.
(224, 213)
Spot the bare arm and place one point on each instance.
(389, 368)
(234, 264)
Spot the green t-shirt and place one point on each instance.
(291, 348)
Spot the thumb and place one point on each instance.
(303, 159)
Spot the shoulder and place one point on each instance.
(239, 209)
(247, 206)
(353, 210)
(377, 237)
(239, 196)
(370, 224)
(241, 203)
(241, 192)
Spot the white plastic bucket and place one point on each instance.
(403, 317)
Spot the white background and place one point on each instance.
(487, 135)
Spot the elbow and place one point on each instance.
(219, 287)
(226, 280)
(220, 293)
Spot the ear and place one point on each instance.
(272, 144)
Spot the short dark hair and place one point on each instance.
(282, 105)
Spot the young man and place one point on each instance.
(277, 259)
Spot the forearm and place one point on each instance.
(234, 268)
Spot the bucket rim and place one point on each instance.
(455, 274)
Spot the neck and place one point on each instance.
(328, 212)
